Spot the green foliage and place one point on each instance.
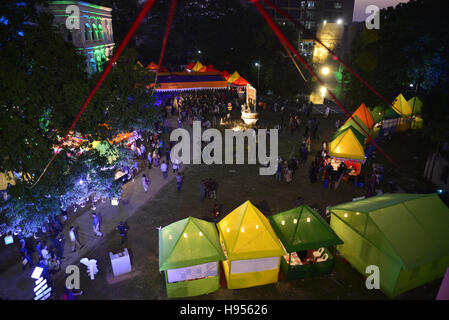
(43, 84)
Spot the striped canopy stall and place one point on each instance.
(179, 81)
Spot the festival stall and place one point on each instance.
(189, 256)
(240, 82)
(197, 67)
(364, 115)
(401, 106)
(251, 247)
(347, 146)
(180, 81)
(352, 123)
(417, 121)
(308, 240)
(153, 67)
(225, 74)
(190, 66)
(233, 77)
(404, 235)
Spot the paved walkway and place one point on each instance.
(17, 284)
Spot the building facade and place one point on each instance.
(93, 36)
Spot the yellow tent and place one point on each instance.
(234, 77)
(251, 247)
(197, 67)
(347, 144)
(138, 65)
(401, 106)
(416, 105)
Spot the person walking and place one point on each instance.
(179, 178)
(74, 239)
(149, 159)
(123, 230)
(145, 182)
(96, 225)
(203, 190)
(26, 257)
(164, 168)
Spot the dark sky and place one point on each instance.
(360, 6)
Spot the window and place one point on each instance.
(100, 32)
(87, 32)
(310, 25)
(310, 15)
(311, 4)
(94, 32)
(338, 5)
(303, 4)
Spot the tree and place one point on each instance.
(43, 85)
(409, 48)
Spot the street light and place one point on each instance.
(199, 51)
(323, 91)
(325, 21)
(257, 64)
(325, 71)
(339, 21)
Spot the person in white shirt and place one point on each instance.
(74, 239)
(164, 168)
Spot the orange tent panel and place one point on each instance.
(363, 113)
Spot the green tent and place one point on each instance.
(189, 255)
(377, 113)
(389, 113)
(302, 229)
(353, 124)
(405, 235)
(416, 105)
(360, 137)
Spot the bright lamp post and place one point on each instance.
(325, 71)
(257, 64)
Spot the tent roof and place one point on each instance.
(197, 67)
(414, 226)
(210, 68)
(203, 69)
(302, 228)
(190, 81)
(190, 65)
(351, 123)
(188, 242)
(225, 74)
(401, 106)
(417, 108)
(240, 82)
(233, 77)
(364, 115)
(389, 113)
(347, 143)
(247, 234)
(153, 66)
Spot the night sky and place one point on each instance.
(360, 6)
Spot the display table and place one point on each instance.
(121, 263)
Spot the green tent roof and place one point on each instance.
(302, 228)
(413, 228)
(360, 137)
(378, 113)
(416, 105)
(188, 242)
(389, 113)
(352, 123)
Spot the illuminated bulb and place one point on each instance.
(185, 235)
(357, 213)
(346, 215)
(242, 229)
(227, 230)
(308, 219)
(283, 222)
(325, 71)
(323, 91)
(295, 221)
(201, 234)
(257, 226)
(169, 237)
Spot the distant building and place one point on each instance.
(94, 38)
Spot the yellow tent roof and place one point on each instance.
(233, 77)
(138, 64)
(401, 106)
(247, 234)
(197, 67)
(346, 145)
(6, 178)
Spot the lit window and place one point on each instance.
(87, 34)
(100, 32)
